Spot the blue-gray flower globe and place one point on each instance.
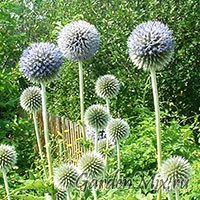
(31, 99)
(41, 62)
(79, 40)
(150, 45)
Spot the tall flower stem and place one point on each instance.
(107, 141)
(118, 160)
(96, 140)
(158, 134)
(68, 195)
(6, 184)
(169, 195)
(46, 130)
(177, 194)
(38, 141)
(94, 193)
(81, 88)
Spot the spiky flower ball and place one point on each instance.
(65, 176)
(79, 40)
(91, 164)
(117, 129)
(8, 157)
(31, 99)
(41, 62)
(102, 147)
(97, 117)
(107, 86)
(175, 173)
(61, 195)
(150, 45)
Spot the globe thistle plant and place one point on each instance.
(41, 63)
(31, 99)
(65, 177)
(91, 164)
(8, 158)
(79, 41)
(107, 86)
(116, 130)
(150, 47)
(96, 116)
(61, 195)
(175, 173)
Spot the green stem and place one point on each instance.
(158, 134)
(107, 141)
(96, 140)
(118, 160)
(81, 89)
(177, 194)
(68, 195)
(6, 184)
(38, 141)
(94, 193)
(169, 195)
(46, 131)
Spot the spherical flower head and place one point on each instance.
(91, 164)
(97, 117)
(61, 195)
(107, 86)
(31, 99)
(41, 62)
(150, 45)
(79, 40)
(117, 129)
(175, 173)
(102, 147)
(8, 157)
(65, 176)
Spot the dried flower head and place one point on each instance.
(97, 117)
(8, 157)
(107, 86)
(91, 164)
(65, 176)
(31, 99)
(150, 45)
(175, 173)
(117, 129)
(79, 40)
(41, 62)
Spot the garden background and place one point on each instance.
(26, 22)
